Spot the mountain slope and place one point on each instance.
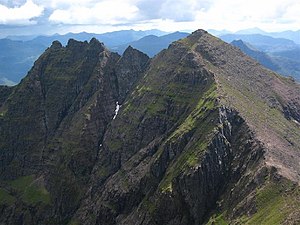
(280, 62)
(204, 134)
(110, 38)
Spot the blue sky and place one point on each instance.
(21, 17)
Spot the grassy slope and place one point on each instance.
(27, 189)
(276, 202)
(198, 121)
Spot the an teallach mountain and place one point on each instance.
(199, 134)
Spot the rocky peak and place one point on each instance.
(129, 69)
(95, 43)
(132, 52)
(56, 45)
(129, 50)
(199, 33)
(76, 45)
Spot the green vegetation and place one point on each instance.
(191, 155)
(200, 124)
(275, 202)
(6, 198)
(149, 205)
(273, 205)
(21, 183)
(115, 144)
(74, 222)
(206, 103)
(187, 159)
(30, 190)
(3, 112)
(217, 220)
(35, 194)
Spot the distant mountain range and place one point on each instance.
(19, 52)
(262, 42)
(16, 58)
(289, 34)
(278, 54)
(282, 64)
(151, 44)
(110, 39)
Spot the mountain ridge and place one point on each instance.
(200, 133)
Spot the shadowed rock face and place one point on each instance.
(5, 91)
(188, 145)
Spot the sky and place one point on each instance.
(35, 17)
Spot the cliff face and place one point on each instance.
(195, 135)
(53, 123)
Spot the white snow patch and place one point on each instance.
(117, 110)
(295, 121)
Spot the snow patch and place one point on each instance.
(295, 121)
(117, 110)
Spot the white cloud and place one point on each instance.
(104, 12)
(241, 14)
(170, 14)
(22, 15)
(167, 15)
(65, 4)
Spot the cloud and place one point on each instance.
(180, 10)
(240, 14)
(22, 15)
(12, 3)
(65, 4)
(104, 12)
(123, 11)
(216, 14)
(169, 15)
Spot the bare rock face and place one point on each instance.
(129, 70)
(196, 135)
(5, 91)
